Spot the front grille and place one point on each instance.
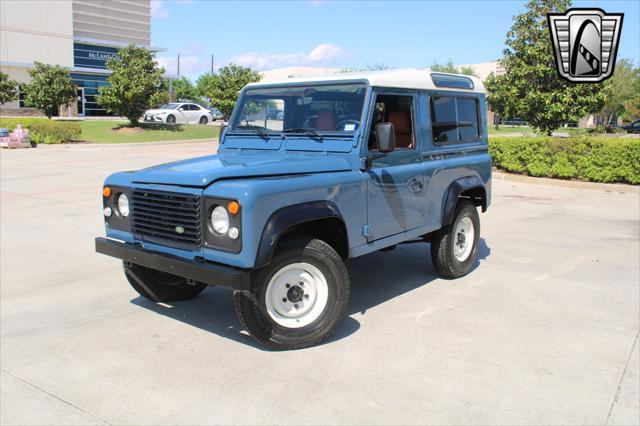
(166, 216)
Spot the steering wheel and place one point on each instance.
(342, 124)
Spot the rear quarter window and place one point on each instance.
(454, 119)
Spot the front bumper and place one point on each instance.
(153, 119)
(209, 273)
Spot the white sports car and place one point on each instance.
(178, 112)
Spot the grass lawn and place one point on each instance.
(525, 130)
(528, 131)
(108, 131)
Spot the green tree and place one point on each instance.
(623, 87)
(135, 84)
(205, 83)
(184, 89)
(632, 109)
(223, 90)
(8, 89)
(449, 67)
(50, 87)
(531, 88)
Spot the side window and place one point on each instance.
(444, 119)
(468, 119)
(398, 110)
(454, 119)
(194, 107)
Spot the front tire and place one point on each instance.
(298, 298)
(171, 119)
(454, 247)
(160, 286)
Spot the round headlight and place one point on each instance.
(220, 220)
(123, 205)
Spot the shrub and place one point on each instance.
(587, 158)
(45, 131)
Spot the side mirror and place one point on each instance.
(181, 109)
(386, 137)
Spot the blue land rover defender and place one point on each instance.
(351, 164)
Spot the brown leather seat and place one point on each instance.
(402, 123)
(326, 121)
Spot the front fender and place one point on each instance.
(289, 216)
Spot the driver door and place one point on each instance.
(182, 115)
(396, 186)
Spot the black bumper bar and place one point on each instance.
(209, 273)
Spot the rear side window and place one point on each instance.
(454, 119)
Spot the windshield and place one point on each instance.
(170, 106)
(317, 109)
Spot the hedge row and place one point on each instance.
(586, 158)
(43, 130)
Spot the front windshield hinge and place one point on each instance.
(357, 139)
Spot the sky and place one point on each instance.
(346, 34)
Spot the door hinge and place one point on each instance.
(367, 231)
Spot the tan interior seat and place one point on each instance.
(402, 123)
(326, 121)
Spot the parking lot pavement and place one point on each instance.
(544, 330)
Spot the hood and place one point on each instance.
(203, 171)
(155, 111)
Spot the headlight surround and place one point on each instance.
(220, 220)
(122, 201)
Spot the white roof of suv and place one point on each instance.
(408, 78)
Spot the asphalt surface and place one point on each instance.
(543, 331)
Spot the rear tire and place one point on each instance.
(454, 247)
(203, 120)
(160, 286)
(298, 298)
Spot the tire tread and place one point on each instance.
(254, 320)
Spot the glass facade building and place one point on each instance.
(79, 35)
(91, 57)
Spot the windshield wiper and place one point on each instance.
(259, 130)
(308, 132)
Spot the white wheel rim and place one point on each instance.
(463, 238)
(296, 295)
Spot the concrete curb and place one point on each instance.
(575, 184)
(84, 145)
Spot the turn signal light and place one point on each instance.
(233, 207)
(106, 191)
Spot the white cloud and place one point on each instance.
(323, 54)
(158, 9)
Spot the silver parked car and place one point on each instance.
(216, 114)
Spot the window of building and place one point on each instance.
(22, 95)
(454, 119)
